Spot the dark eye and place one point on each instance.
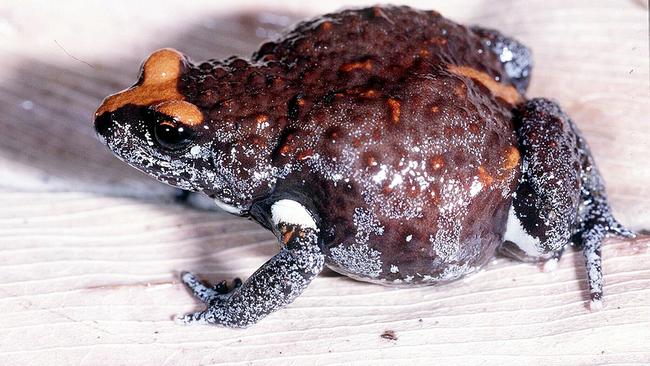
(173, 135)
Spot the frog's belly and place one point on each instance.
(368, 264)
(442, 244)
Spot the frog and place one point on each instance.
(389, 144)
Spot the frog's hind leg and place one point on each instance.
(561, 196)
(517, 60)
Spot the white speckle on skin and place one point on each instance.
(409, 238)
(476, 187)
(357, 259)
(367, 224)
(394, 268)
(397, 180)
(292, 212)
(195, 150)
(379, 177)
(506, 55)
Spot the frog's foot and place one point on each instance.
(208, 294)
(598, 223)
(516, 58)
(274, 285)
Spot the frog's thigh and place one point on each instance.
(516, 58)
(545, 207)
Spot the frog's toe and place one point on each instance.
(192, 318)
(620, 230)
(200, 290)
(210, 295)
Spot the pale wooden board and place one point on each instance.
(90, 249)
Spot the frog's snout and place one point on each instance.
(103, 124)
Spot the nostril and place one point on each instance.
(103, 124)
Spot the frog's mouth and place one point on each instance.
(133, 144)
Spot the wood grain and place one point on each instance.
(90, 249)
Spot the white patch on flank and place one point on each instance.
(228, 208)
(291, 212)
(515, 233)
(394, 268)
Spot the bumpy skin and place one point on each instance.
(399, 133)
(368, 128)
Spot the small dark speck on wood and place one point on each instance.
(389, 335)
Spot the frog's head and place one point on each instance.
(153, 127)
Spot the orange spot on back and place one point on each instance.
(503, 91)
(484, 177)
(365, 65)
(161, 72)
(288, 145)
(395, 111)
(261, 118)
(512, 158)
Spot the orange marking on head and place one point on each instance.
(395, 110)
(181, 110)
(503, 91)
(161, 72)
(366, 65)
(326, 26)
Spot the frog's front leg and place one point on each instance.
(561, 196)
(276, 284)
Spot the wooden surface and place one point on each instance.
(90, 249)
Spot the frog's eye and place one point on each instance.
(173, 135)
